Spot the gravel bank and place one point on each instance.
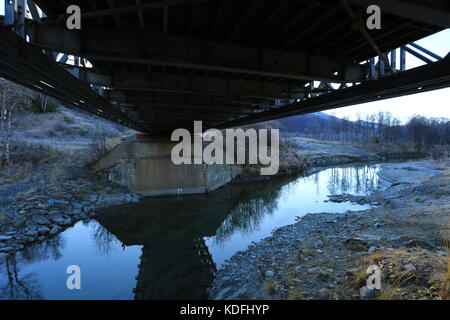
(322, 255)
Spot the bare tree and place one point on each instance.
(12, 95)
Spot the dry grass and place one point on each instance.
(271, 287)
(100, 145)
(360, 276)
(442, 268)
(295, 294)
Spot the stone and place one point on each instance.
(4, 238)
(372, 249)
(77, 205)
(356, 244)
(419, 243)
(31, 233)
(57, 219)
(323, 294)
(269, 274)
(43, 230)
(323, 275)
(313, 270)
(410, 267)
(82, 216)
(53, 202)
(367, 293)
(39, 220)
(75, 212)
(55, 230)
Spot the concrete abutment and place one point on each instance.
(145, 166)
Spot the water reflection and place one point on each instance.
(170, 247)
(354, 179)
(175, 262)
(21, 285)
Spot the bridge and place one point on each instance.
(158, 65)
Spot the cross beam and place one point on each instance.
(163, 50)
(204, 85)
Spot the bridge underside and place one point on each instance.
(159, 65)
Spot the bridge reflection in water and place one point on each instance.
(175, 261)
(182, 239)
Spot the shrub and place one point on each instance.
(440, 152)
(37, 105)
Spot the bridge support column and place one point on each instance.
(145, 166)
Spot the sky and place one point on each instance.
(434, 104)
(429, 104)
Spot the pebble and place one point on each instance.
(323, 294)
(367, 293)
(39, 220)
(372, 249)
(55, 230)
(43, 230)
(410, 267)
(31, 233)
(313, 270)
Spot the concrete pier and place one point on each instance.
(145, 166)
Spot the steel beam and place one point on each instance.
(161, 50)
(190, 84)
(168, 97)
(24, 64)
(429, 77)
(424, 50)
(417, 54)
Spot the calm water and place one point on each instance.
(169, 248)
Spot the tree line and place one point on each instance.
(384, 128)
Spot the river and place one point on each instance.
(170, 247)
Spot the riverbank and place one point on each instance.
(325, 255)
(299, 155)
(42, 197)
(49, 185)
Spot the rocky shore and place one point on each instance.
(326, 255)
(32, 213)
